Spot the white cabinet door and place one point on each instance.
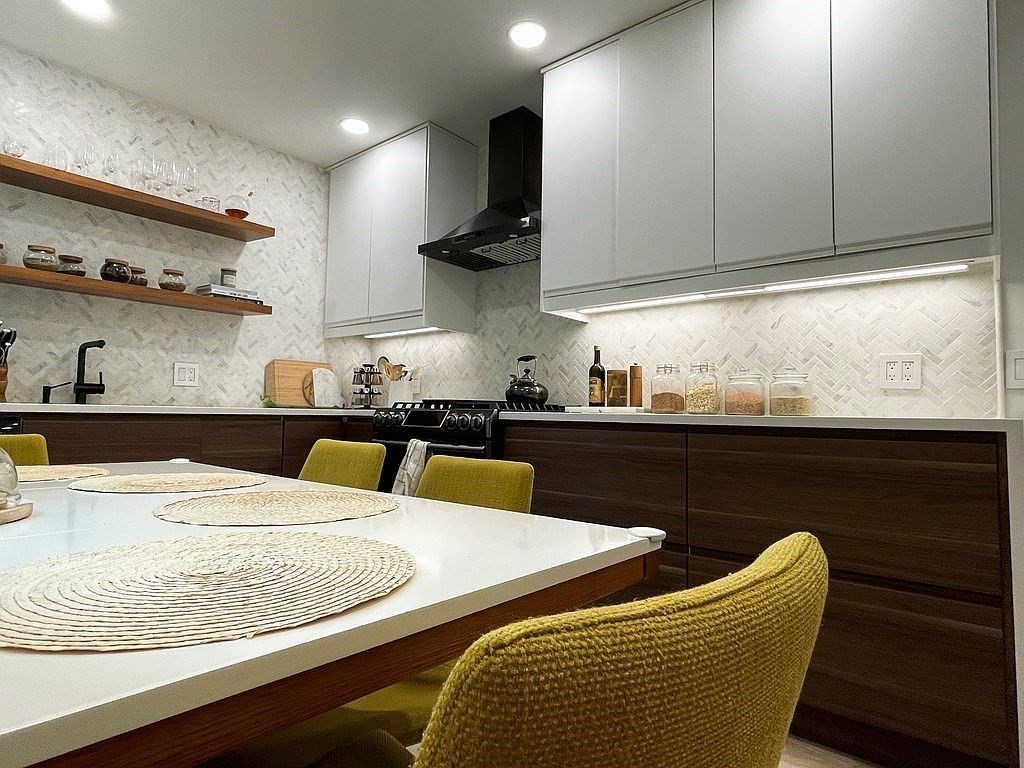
(666, 199)
(579, 194)
(398, 222)
(347, 292)
(773, 144)
(912, 135)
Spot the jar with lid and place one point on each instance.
(41, 257)
(3, 254)
(173, 280)
(668, 390)
(744, 394)
(702, 388)
(71, 265)
(115, 271)
(228, 277)
(790, 393)
(138, 276)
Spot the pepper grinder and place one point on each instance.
(636, 385)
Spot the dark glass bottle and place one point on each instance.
(597, 380)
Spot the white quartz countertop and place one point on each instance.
(195, 410)
(808, 422)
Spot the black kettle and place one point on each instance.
(523, 388)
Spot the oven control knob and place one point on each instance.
(378, 419)
(464, 421)
(450, 422)
(391, 419)
(476, 422)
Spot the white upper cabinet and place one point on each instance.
(911, 113)
(581, 112)
(773, 137)
(666, 191)
(398, 226)
(384, 204)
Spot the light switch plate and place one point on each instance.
(186, 375)
(900, 371)
(1015, 369)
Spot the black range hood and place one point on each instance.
(507, 231)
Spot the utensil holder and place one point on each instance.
(3, 383)
(400, 391)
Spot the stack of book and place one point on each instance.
(224, 292)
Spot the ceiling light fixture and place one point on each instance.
(527, 34)
(393, 334)
(355, 125)
(94, 10)
(801, 285)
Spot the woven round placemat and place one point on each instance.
(276, 508)
(168, 482)
(200, 589)
(43, 472)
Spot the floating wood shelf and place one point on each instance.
(94, 287)
(71, 186)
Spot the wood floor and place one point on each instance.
(803, 754)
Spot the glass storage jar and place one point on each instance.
(702, 388)
(790, 393)
(41, 257)
(3, 254)
(115, 271)
(71, 265)
(668, 390)
(173, 280)
(9, 495)
(744, 394)
(228, 277)
(138, 276)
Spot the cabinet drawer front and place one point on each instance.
(99, 439)
(607, 476)
(252, 444)
(300, 433)
(917, 511)
(922, 666)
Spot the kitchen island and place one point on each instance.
(922, 520)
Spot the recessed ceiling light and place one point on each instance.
(94, 10)
(355, 125)
(527, 34)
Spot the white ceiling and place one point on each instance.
(284, 73)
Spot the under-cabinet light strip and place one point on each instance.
(393, 334)
(800, 285)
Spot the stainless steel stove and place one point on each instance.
(449, 427)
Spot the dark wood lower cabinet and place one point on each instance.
(914, 665)
(274, 445)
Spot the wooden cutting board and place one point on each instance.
(283, 381)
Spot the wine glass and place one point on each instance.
(112, 163)
(168, 175)
(56, 157)
(188, 180)
(85, 155)
(150, 173)
(137, 173)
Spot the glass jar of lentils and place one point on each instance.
(790, 393)
(702, 388)
(744, 394)
(668, 390)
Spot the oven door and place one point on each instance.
(394, 452)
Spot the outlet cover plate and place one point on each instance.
(900, 371)
(1014, 369)
(186, 375)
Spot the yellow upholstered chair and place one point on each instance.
(354, 465)
(25, 450)
(705, 678)
(480, 482)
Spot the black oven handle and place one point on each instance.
(431, 447)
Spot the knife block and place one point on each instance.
(3, 383)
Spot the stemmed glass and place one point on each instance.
(85, 156)
(188, 180)
(56, 157)
(169, 176)
(150, 173)
(112, 163)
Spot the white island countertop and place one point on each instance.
(932, 423)
(178, 410)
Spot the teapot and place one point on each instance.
(523, 388)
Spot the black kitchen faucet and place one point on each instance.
(83, 388)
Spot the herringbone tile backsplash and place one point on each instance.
(834, 334)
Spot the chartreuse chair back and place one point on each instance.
(481, 482)
(25, 450)
(705, 678)
(337, 462)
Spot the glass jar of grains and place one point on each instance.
(790, 393)
(668, 390)
(115, 271)
(744, 394)
(138, 276)
(702, 388)
(41, 257)
(71, 265)
(173, 280)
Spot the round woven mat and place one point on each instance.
(37, 474)
(199, 589)
(276, 508)
(169, 482)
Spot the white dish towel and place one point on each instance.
(411, 469)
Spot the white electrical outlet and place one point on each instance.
(900, 371)
(186, 375)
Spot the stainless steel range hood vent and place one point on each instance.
(508, 230)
